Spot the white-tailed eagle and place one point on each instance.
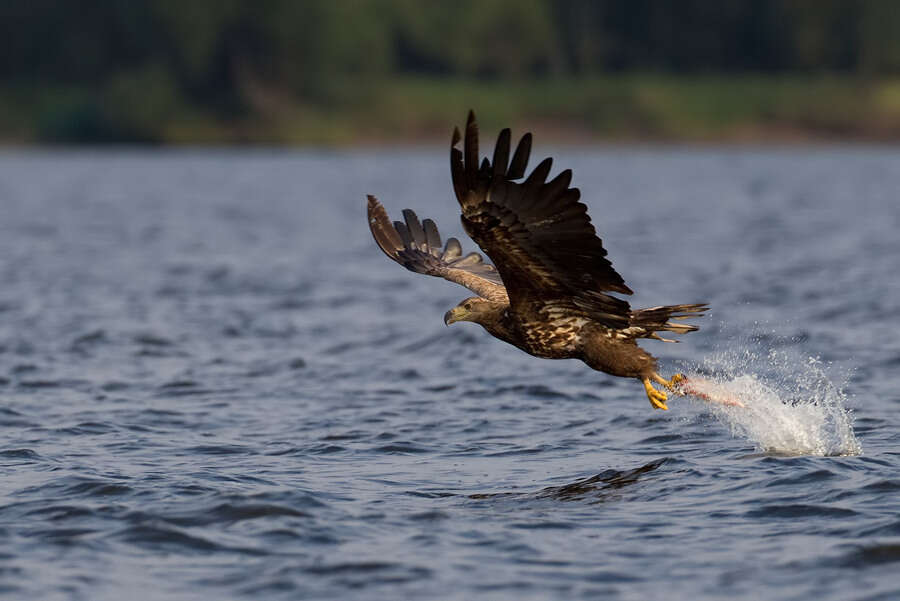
(548, 292)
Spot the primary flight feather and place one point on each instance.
(548, 292)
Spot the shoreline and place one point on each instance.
(635, 109)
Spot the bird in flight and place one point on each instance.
(548, 292)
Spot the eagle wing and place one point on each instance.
(536, 232)
(417, 246)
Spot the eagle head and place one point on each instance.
(474, 309)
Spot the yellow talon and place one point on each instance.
(669, 384)
(657, 398)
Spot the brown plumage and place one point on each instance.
(549, 292)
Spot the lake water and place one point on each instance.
(214, 386)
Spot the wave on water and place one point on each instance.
(786, 406)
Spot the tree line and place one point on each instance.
(223, 56)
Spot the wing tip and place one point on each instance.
(386, 236)
(471, 122)
(519, 162)
(374, 209)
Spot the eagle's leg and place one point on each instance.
(657, 397)
(669, 384)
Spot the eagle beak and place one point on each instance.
(451, 316)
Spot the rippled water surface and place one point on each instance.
(214, 386)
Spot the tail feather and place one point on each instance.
(656, 319)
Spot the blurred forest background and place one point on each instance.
(374, 71)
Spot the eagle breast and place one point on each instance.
(554, 335)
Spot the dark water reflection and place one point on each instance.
(597, 488)
(214, 386)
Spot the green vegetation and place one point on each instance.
(345, 72)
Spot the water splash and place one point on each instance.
(790, 406)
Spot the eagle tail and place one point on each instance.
(657, 319)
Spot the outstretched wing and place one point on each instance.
(417, 246)
(537, 232)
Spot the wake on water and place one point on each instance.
(789, 406)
